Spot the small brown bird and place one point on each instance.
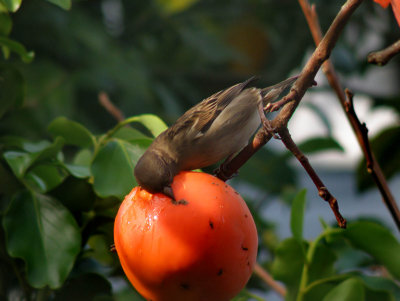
(214, 129)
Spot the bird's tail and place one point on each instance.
(269, 94)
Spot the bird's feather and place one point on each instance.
(199, 119)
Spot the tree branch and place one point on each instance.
(359, 129)
(322, 190)
(373, 167)
(382, 57)
(267, 278)
(110, 107)
(292, 100)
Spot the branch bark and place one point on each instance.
(267, 278)
(293, 98)
(322, 190)
(305, 80)
(346, 101)
(373, 167)
(110, 107)
(382, 57)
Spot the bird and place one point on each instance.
(216, 128)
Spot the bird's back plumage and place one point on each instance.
(214, 129)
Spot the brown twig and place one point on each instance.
(359, 129)
(322, 190)
(373, 167)
(267, 278)
(292, 100)
(305, 80)
(382, 57)
(320, 55)
(110, 107)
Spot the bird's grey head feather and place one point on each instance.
(153, 171)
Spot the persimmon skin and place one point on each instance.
(202, 247)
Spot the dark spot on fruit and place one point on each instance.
(244, 248)
(248, 263)
(180, 202)
(237, 192)
(211, 224)
(246, 216)
(185, 286)
(220, 272)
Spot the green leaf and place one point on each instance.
(73, 132)
(11, 87)
(377, 241)
(297, 215)
(319, 144)
(152, 122)
(80, 167)
(85, 287)
(130, 134)
(83, 157)
(12, 5)
(79, 171)
(64, 4)
(75, 194)
(45, 235)
(19, 143)
(100, 249)
(112, 168)
(52, 151)
(245, 295)
(18, 48)
(20, 161)
(288, 263)
(349, 290)
(45, 177)
(380, 288)
(5, 24)
(322, 265)
(318, 289)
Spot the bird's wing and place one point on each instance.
(199, 119)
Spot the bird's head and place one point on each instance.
(153, 172)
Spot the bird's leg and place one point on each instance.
(271, 107)
(265, 122)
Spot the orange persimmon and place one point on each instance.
(201, 247)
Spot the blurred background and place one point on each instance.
(164, 56)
